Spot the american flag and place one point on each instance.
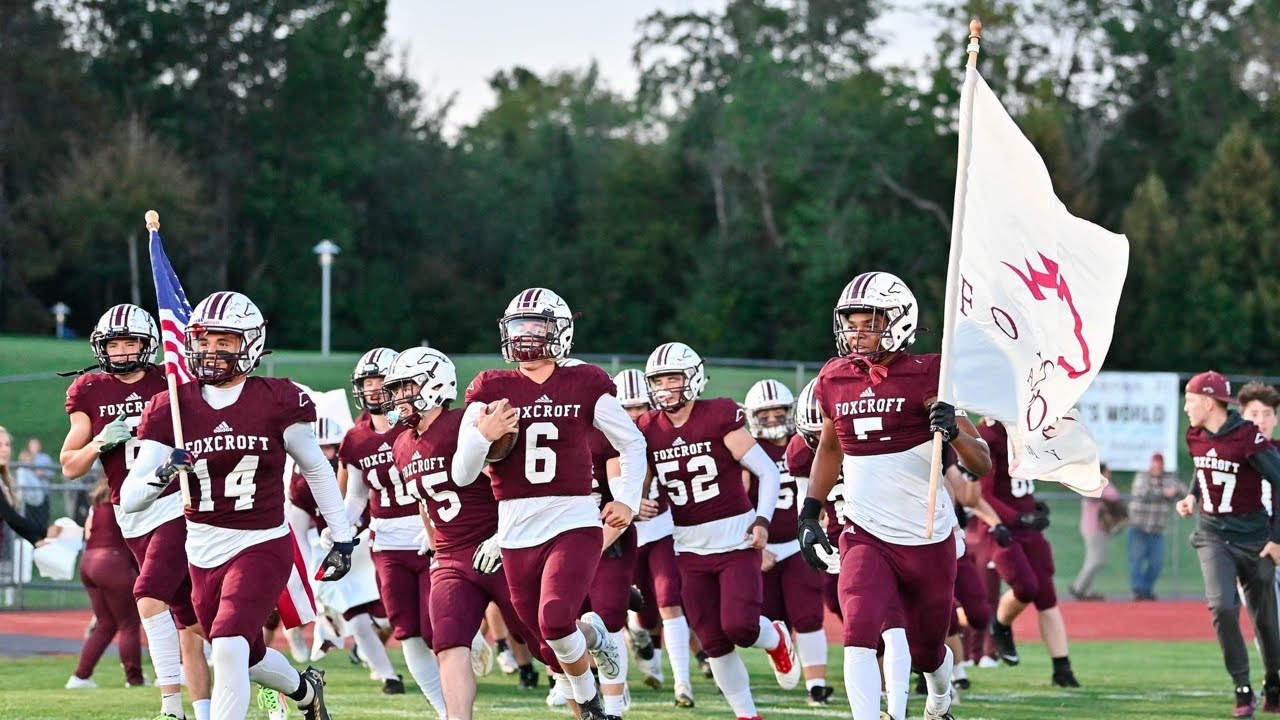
(174, 309)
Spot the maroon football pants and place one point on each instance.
(235, 598)
(549, 582)
(723, 594)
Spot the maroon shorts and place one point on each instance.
(162, 569)
(404, 582)
(549, 582)
(459, 597)
(610, 593)
(723, 594)
(971, 593)
(1027, 565)
(921, 578)
(793, 593)
(235, 598)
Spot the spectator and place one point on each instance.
(31, 529)
(1099, 519)
(1148, 517)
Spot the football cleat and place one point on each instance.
(393, 686)
(820, 695)
(1246, 702)
(606, 654)
(273, 702)
(316, 710)
(528, 678)
(507, 661)
(593, 709)
(75, 683)
(684, 697)
(554, 697)
(1002, 638)
(1271, 698)
(641, 641)
(786, 666)
(961, 683)
(481, 656)
(1066, 679)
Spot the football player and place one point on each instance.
(543, 484)
(104, 408)
(1026, 563)
(698, 449)
(1235, 538)
(880, 411)
(444, 598)
(237, 430)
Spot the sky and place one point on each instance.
(453, 47)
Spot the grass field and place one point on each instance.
(1129, 681)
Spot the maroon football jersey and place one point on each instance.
(462, 516)
(1229, 485)
(103, 397)
(104, 531)
(1002, 491)
(880, 418)
(552, 456)
(699, 476)
(369, 451)
(239, 450)
(602, 451)
(301, 497)
(786, 516)
(800, 464)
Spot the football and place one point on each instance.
(502, 447)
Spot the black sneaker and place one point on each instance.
(393, 686)
(316, 710)
(1066, 679)
(820, 695)
(593, 709)
(1002, 638)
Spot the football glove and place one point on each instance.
(113, 434)
(1036, 520)
(488, 557)
(337, 563)
(1001, 534)
(814, 545)
(179, 461)
(942, 418)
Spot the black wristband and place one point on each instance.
(811, 510)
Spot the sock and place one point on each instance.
(582, 687)
(613, 704)
(275, 672)
(862, 682)
(655, 665)
(1063, 664)
(939, 682)
(816, 682)
(201, 708)
(731, 677)
(171, 704)
(425, 670)
(675, 636)
(768, 638)
(897, 671)
(997, 626)
(502, 645)
(230, 669)
(958, 672)
(166, 655)
(812, 647)
(371, 646)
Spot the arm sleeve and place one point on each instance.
(300, 443)
(625, 437)
(137, 492)
(468, 461)
(757, 461)
(357, 495)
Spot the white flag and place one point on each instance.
(1064, 452)
(1031, 290)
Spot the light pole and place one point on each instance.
(60, 312)
(326, 249)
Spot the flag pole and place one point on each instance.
(953, 259)
(152, 219)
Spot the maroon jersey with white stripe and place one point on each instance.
(104, 531)
(786, 517)
(1019, 494)
(699, 476)
(239, 450)
(462, 516)
(878, 418)
(602, 451)
(552, 456)
(369, 451)
(103, 397)
(1229, 485)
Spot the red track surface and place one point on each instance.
(1165, 620)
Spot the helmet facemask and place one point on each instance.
(671, 399)
(529, 338)
(215, 367)
(769, 428)
(130, 363)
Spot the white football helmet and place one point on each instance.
(329, 431)
(123, 321)
(766, 395)
(375, 363)
(672, 358)
(631, 389)
(886, 296)
(225, 312)
(570, 362)
(537, 325)
(434, 374)
(808, 415)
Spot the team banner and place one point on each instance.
(1132, 415)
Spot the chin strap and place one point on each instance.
(77, 373)
(877, 373)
